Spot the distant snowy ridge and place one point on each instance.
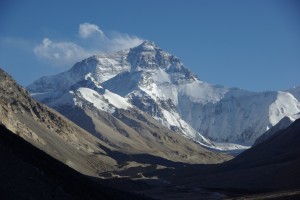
(295, 91)
(158, 84)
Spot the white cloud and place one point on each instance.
(87, 29)
(123, 41)
(92, 40)
(60, 53)
(104, 43)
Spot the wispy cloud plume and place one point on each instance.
(92, 39)
(87, 29)
(60, 53)
(123, 41)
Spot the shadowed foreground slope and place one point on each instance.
(269, 166)
(28, 173)
(269, 170)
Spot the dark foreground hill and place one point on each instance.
(28, 173)
(272, 166)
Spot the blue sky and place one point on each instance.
(253, 44)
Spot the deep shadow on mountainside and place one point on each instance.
(270, 167)
(28, 173)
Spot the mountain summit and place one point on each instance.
(145, 57)
(157, 83)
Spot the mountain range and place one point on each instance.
(40, 142)
(125, 126)
(153, 82)
(145, 141)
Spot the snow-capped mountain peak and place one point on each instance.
(148, 56)
(159, 84)
(147, 45)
